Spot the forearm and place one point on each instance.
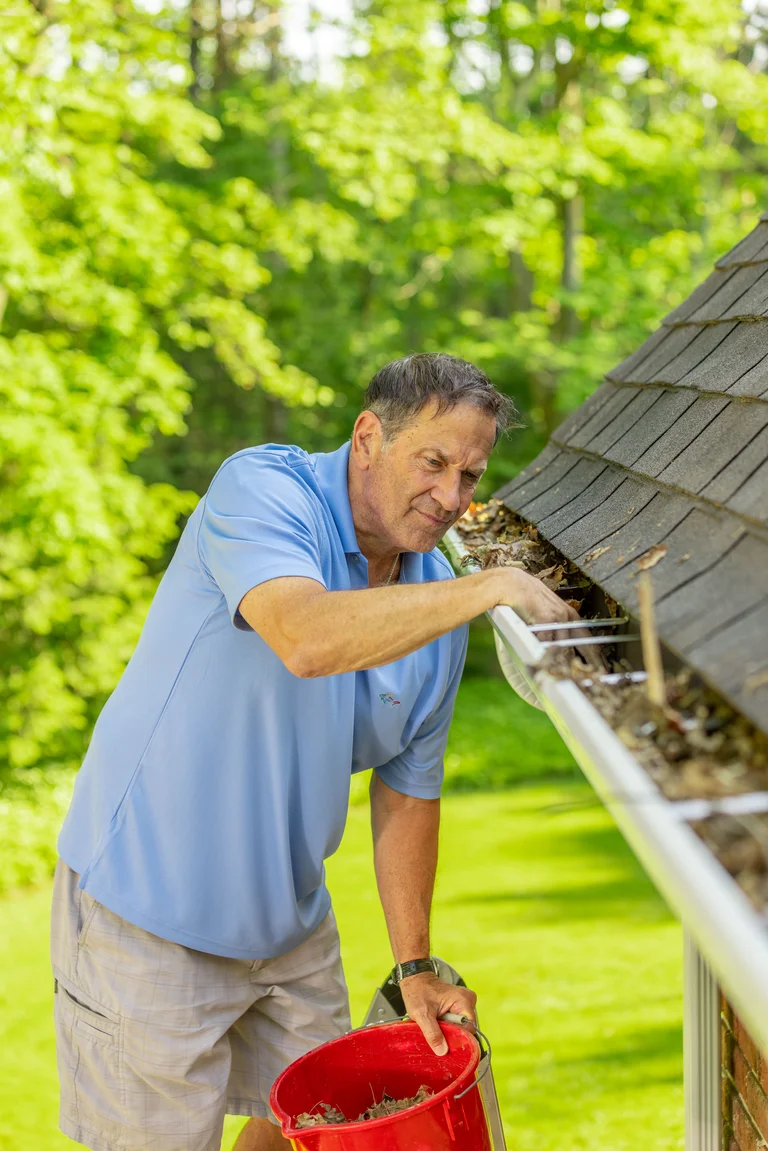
(405, 839)
(317, 632)
(327, 633)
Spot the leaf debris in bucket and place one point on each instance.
(316, 1118)
(388, 1105)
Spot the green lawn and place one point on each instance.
(544, 910)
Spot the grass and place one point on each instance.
(497, 740)
(545, 911)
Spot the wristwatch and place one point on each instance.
(414, 967)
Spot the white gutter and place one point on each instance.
(712, 906)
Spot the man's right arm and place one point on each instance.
(316, 632)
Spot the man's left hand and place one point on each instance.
(427, 998)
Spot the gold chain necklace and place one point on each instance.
(391, 571)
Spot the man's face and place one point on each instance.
(423, 479)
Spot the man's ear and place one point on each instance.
(367, 439)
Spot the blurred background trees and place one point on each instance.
(210, 238)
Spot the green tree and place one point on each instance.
(102, 285)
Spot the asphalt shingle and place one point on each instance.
(578, 480)
(706, 604)
(613, 511)
(623, 370)
(747, 251)
(584, 412)
(679, 435)
(751, 499)
(654, 423)
(715, 282)
(549, 478)
(693, 546)
(707, 339)
(622, 396)
(714, 448)
(543, 460)
(634, 412)
(727, 482)
(754, 302)
(752, 383)
(734, 298)
(744, 347)
(650, 370)
(735, 661)
(626, 544)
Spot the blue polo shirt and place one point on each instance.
(216, 782)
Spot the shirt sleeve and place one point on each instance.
(259, 522)
(418, 770)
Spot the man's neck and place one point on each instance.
(380, 553)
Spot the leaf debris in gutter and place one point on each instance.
(696, 746)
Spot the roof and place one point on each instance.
(673, 449)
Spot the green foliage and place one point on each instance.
(33, 804)
(102, 281)
(498, 741)
(206, 243)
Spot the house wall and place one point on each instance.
(745, 1086)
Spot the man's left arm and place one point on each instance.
(405, 835)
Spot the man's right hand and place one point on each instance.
(534, 602)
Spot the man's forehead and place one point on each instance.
(461, 431)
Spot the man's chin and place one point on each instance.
(426, 538)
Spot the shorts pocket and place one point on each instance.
(91, 1023)
(89, 1049)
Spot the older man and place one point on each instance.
(305, 629)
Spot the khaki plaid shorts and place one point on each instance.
(156, 1042)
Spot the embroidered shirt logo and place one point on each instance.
(385, 697)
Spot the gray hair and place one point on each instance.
(400, 389)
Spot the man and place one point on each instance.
(306, 628)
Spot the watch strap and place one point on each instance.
(414, 967)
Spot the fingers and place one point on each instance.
(427, 998)
(464, 1005)
(431, 1031)
(538, 604)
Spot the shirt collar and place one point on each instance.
(331, 469)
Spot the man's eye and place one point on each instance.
(434, 463)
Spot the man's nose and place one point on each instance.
(447, 491)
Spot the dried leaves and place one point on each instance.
(693, 745)
(496, 537)
(740, 842)
(319, 1118)
(388, 1105)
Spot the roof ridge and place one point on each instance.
(756, 527)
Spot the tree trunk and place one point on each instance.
(572, 225)
(521, 283)
(195, 34)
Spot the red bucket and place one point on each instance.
(356, 1070)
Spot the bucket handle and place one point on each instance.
(462, 1020)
